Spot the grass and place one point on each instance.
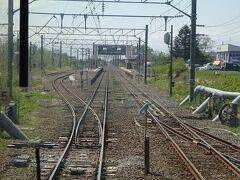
(3, 145)
(234, 130)
(29, 102)
(222, 80)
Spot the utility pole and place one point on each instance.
(139, 55)
(30, 57)
(30, 68)
(82, 60)
(18, 53)
(41, 63)
(146, 52)
(60, 61)
(193, 18)
(10, 46)
(52, 53)
(78, 64)
(70, 56)
(89, 62)
(171, 59)
(193, 48)
(23, 65)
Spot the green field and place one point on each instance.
(222, 80)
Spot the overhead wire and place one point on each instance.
(90, 3)
(165, 12)
(160, 27)
(227, 23)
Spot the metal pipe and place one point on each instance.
(202, 106)
(216, 92)
(184, 101)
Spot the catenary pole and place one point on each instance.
(23, 65)
(171, 61)
(146, 52)
(10, 46)
(60, 61)
(193, 48)
(41, 63)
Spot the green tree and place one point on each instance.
(181, 46)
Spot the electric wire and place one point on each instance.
(227, 23)
(160, 27)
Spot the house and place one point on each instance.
(228, 53)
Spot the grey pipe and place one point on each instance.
(9, 126)
(216, 92)
(185, 100)
(202, 106)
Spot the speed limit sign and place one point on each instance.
(4, 97)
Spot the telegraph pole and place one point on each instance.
(146, 52)
(193, 48)
(10, 46)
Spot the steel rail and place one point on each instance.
(193, 170)
(74, 127)
(66, 149)
(91, 109)
(86, 109)
(209, 147)
(205, 144)
(101, 158)
(236, 147)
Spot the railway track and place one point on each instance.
(205, 156)
(83, 152)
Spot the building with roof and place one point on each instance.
(228, 53)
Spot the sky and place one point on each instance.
(220, 17)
